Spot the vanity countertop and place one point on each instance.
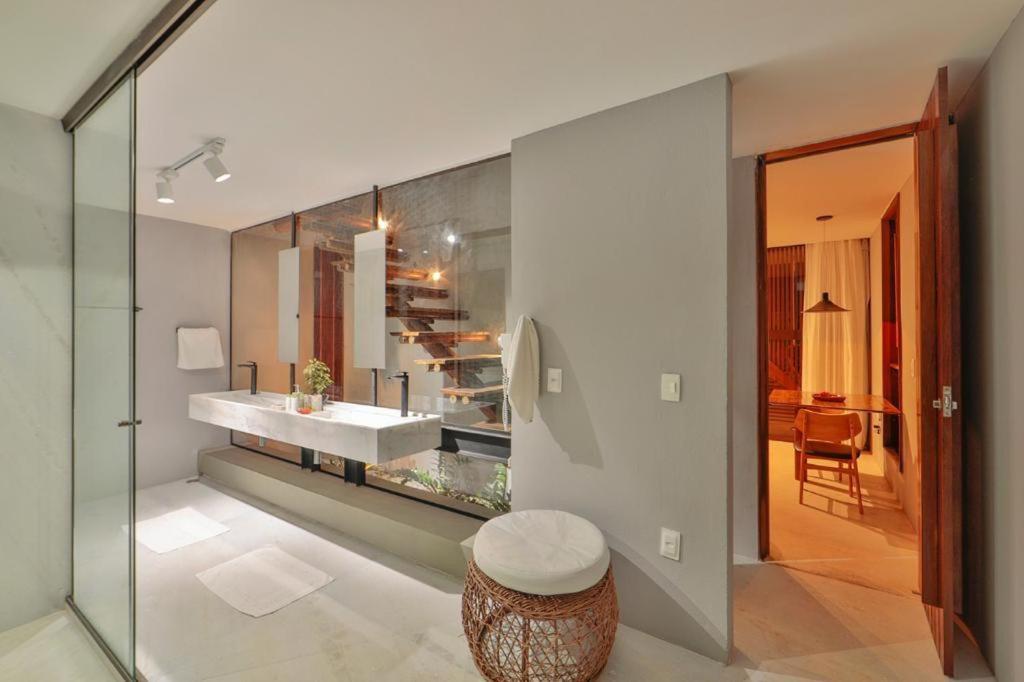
(369, 434)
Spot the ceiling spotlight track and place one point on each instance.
(218, 171)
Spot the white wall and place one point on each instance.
(182, 279)
(35, 365)
(992, 244)
(619, 252)
(906, 483)
(909, 481)
(743, 354)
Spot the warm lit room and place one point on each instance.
(841, 269)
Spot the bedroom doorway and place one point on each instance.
(930, 395)
(841, 507)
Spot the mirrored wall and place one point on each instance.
(448, 255)
(447, 290)
(255, 258)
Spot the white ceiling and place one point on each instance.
(854, 185)
(51, 51)
(319, 99)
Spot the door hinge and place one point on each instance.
(947, 404)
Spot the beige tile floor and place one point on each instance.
(385, 619)
(827, 536)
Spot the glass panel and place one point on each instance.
(254, 323)
(451, 233)
(325, 237)
(478, 485)
(103, 371)
(447, 292)
(448, 265)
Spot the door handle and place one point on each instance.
(946, 404)
(128, 422)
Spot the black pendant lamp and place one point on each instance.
(825, 305)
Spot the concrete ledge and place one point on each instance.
(412, 530)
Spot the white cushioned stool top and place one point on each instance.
(541, 551)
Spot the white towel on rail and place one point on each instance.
(524, 369)
(199, 348)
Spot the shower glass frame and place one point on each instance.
(104, 416)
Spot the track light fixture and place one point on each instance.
(218, 171)
(164, 190)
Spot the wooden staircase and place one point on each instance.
(413, 296)
(405, 296)
(449, 338)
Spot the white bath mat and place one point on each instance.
(176, 529)
(263, 581)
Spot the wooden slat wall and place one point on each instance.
(784, 271)
(785, 274)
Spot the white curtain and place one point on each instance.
(836, 347)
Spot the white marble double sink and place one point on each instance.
(361, 432)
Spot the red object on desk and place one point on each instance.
(830, 397)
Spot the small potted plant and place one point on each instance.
(318, 377)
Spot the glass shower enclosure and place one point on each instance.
(104, 419)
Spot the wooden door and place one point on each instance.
(939, 359)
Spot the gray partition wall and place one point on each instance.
(619, 252)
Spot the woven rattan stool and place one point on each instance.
(539, 603)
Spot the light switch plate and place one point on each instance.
(671, 387)
(554, 380)
(671, 544)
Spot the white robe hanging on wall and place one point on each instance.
(524, 369)
(836, 347)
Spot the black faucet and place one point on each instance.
(253, 370)
(404, 376)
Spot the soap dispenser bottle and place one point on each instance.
(291, 402)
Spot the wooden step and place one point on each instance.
(411, 291)
(446, 338)
(466, 392)
(427, 313)
(347, 251)
(492, 426)
(414, 274)
(435, 364)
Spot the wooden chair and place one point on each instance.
(824, 436)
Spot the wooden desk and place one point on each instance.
(853, 403)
